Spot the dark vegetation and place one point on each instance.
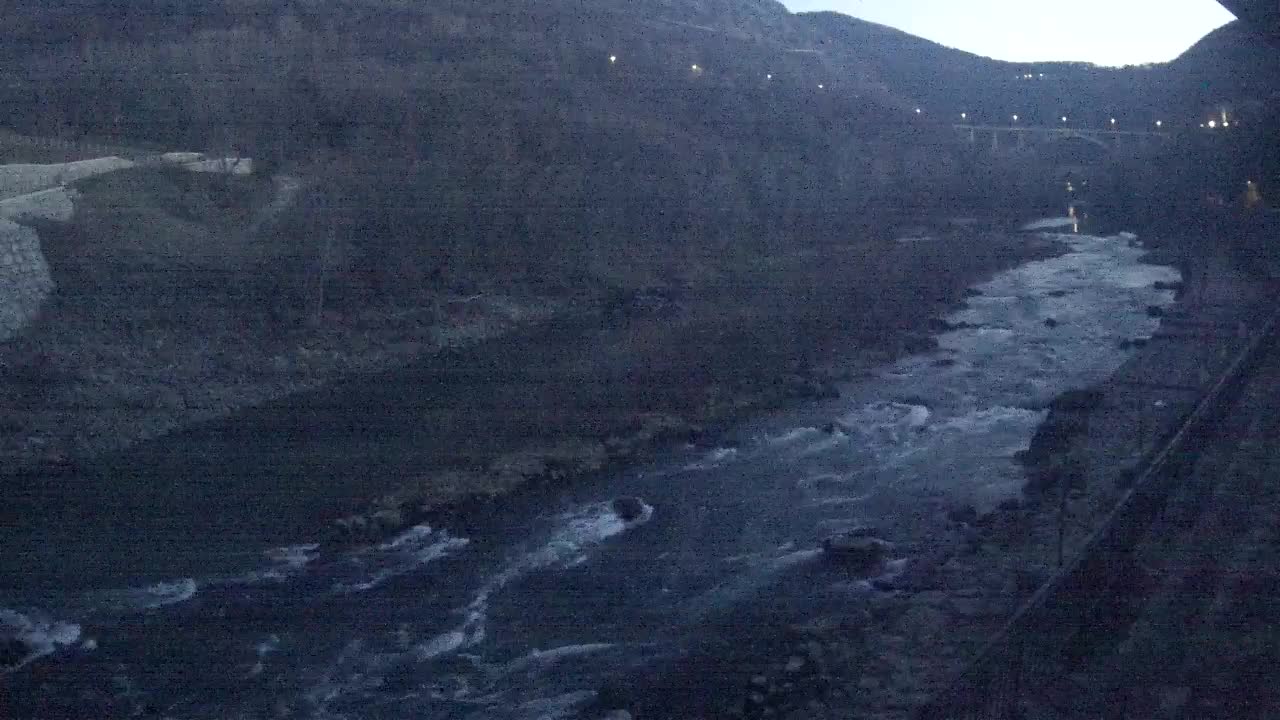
(453, 149)
(456, 143)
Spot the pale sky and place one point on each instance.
(1106, 32)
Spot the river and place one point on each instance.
(535, 607)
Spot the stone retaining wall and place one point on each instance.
(25, 281)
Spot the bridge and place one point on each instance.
(1021, 136)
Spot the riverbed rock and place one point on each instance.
(966, 514)
(12, 652)
(628, 508)
(616, 715)
(1051, 322)
(861, 553)
(1155, 311)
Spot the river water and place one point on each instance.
(535, 608)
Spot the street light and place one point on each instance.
(1213, 124)
(613, 58)
(917, 111)
(821, 86)
(1064, 118)
(1159, 123)
(1015, 118)
(964, 116)
(1113, 122)
(769, 76)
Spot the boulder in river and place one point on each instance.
(966, 514)
(860, 552)
(12, 652)
(628, 508)
(1051, 322)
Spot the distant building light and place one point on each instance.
(1113, 121)
(1064, 118)
(964, 116)
(769, 76)
(613, 58)
(1041, 74)
(1213, 124)
(1015, 118)
(1201, 124)
(1226, 124)
(1159, 123)
(821, 86)
(917, 111)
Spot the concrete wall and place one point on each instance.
(29, 192)
(24, 277)
(22, 179)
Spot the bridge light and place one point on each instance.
(1226, 124)
(1015, 118)
(964, 116)
(1213, 124)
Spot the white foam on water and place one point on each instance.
(286, 562)
(791, 435)
(577, 531)
(1051, 223)
(552, 708)
(713, 459)
(40, 634)
(151, 597)
(542, 660)
(984, 420)
(405, 553)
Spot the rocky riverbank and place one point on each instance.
(733, 378)
(902, 645)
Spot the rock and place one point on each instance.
(616, 715)
(835, 426)
(1173, 699)
(1155, 311)
(970, 292)
(860, 552)
(969, 607)
(1051, 323)
(1163, 285)
(645, 302)
(756, 698)
(966, 514)
(389, 520)
(794, 665)
(12, 652)
(915, 344)
(1010, 505)
(868, 684)
(628, 508)
(760, 681)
